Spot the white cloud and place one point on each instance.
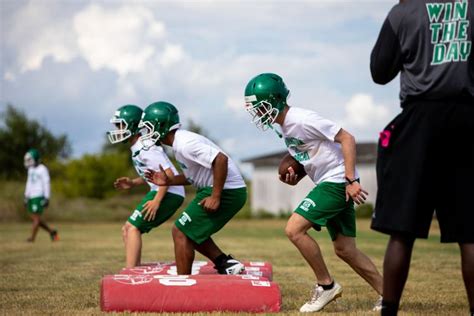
(362, 112)
(236, 104)
(171, 55)
(9, 76)
(122, 40)
(37, 33)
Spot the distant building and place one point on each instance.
(271, 195)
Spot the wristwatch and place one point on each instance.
(349, 181)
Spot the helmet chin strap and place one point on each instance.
(275, 130)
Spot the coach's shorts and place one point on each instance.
(35, 205)
(199, 225)
(326, 206)
(425, 164)
(168, 206)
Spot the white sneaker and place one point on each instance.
(378, 304)
(321, 298)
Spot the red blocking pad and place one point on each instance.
(255, 268)
(183, 293)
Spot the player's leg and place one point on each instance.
(44, 225)
(35, 226)
(345, 248)
(198, 226)
(209, 249)
(133, 245)
(395, 269)
(297, 231)
(224, 264)
(183, 251)
(326, 289)
(467, 263)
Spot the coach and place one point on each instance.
(426, 154)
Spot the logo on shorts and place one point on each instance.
(184, 218)
(306, 204)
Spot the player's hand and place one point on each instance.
(123, 183)
(45, 202)
(356, 193)
(290, 178)
(25, 201)
(149, 210)
(157, 177)
(210, 204)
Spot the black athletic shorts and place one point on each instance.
(425, 164)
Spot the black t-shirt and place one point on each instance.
(430, 43)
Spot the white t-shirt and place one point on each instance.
(195, 154)
(310, 140)
(152, 159)
(37, 184)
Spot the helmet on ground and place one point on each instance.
(126, 119)
(265, 98)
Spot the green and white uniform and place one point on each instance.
(310, 140)
(152, 159)
(37, 188)
(195, 154)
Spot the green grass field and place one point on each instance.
(63, 278)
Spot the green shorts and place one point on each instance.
(326, 206)
(35, 205)
(198, 225)
(170, 203)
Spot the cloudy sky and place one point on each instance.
(71, 63)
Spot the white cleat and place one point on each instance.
(321, 298)
(231, 266)
(378, 305)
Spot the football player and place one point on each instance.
(37, 193)
(221, 190)
(328, 154)
(160, 203)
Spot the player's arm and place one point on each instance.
(151, 207)
(219, 172)
(348, 147)
(46, 186)
(125, 183)
(385, 60)
(163, 178)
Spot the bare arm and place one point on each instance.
(348, 147)
(219, 171)
(163, 178)
(151, 207)
(125, 183)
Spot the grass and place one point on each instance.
(63, 277)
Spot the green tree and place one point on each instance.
(93, 175)
(18, 133)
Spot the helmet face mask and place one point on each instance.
(263, 114)
(31, 158)
(265, 98)
(121, 133)
(126, 120)
(149, 136)
(28, 160)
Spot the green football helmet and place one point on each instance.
(126, 119)
(31, 158)
(265, 98)
(158, 119)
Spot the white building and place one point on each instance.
(270, 195)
